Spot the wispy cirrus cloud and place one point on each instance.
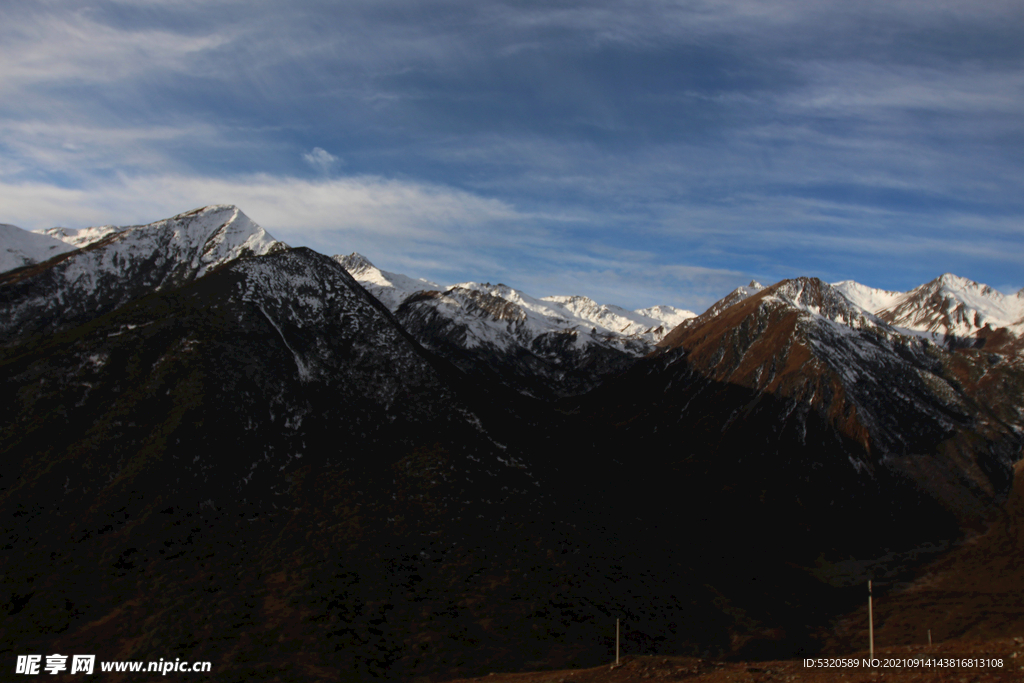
(851, 87)
(47, 49)
(370, 205)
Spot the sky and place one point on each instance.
(639, 152)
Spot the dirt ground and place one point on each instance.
(1010, 650)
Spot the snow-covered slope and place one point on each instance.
(581, 314)
(542, 315)
(545, 347)
(81, 237)
(669, 316)
(128, 264)
(868, 298)
(391, 289)
(22, 248)
(504, 317)
(956, 306)
(650, 324)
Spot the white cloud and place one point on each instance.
(320, 159)
(82, 148)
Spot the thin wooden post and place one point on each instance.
(929, 637)
(616, 641)
(871, 625)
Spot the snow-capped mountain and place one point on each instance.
(956, 306)
(668, 316)
(781, 413)
(824, 302)
(489, 336)
(531, 317)
(129, 263)
(899, 406)
(545, 314)
(209, 429)
(948, 306)
(23, 248)
(545, 347)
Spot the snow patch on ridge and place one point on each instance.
(81, 237)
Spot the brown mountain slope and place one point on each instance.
(897, 396)
(973, 593)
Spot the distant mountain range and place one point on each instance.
(549, 347)
(948, 306)
(305, 468)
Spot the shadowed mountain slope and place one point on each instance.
(809, 443)
(263, 470)
(248, 459)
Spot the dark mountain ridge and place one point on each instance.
(550, 366)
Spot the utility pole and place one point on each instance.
(871, 624)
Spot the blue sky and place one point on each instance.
(640, 152)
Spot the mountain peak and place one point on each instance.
(869, 298)
(954, 305)
(817, 297)
(803, 290)
(209, 210)
(134, 261)
(390, 288)
(354, 262)
(951, 281)
(80, 237)
(954, 284)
